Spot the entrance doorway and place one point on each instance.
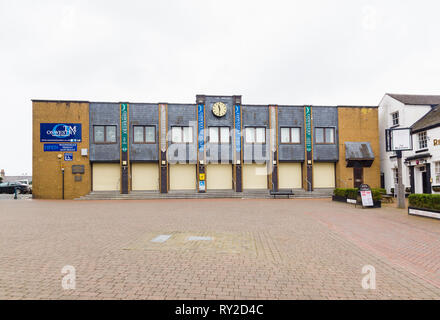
(425, 182)
(358, 176)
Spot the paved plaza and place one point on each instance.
(215, 249)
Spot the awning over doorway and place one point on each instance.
(358, 154)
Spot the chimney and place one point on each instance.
(2, 172)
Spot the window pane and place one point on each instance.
(250, 135)
(138, 134)
(329, 135)
(224, 134)
(150, 134)
(319, 132)
(99, 133)
(296, 138)
(111, 133)
(176, 134)
(187, 134)
(285, 135)
(213, 134)
(261, 135)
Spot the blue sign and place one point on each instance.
(237, 128)
(201, 185)
(60, 132)
(201, 127)
(68, 157)
(60, 147)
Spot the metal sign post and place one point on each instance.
(400, 187)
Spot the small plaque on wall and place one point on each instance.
(78, 169)
(78, 178)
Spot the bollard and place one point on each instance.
(15, 193)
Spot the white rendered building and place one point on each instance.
(417, 112)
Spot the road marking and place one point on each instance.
(161, 238)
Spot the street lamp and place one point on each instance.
(62, 174)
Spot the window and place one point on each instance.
(182, 134)
(290, 135)
(144, 134)
(325, 135)
(218, 134)
(255, 135)
(437, 171)
(395, 118)
(104, 134)
(423, 140)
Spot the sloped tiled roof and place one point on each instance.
(429, 120)
(416, 99)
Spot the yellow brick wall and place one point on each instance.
(46, 167)
(358, 125)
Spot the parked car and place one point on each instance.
(9, 187)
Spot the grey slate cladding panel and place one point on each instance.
(325, 117)
(145, 114)
(104, 114)
(182, 115)
(255, 116)
(358, 151)
(291, 116)
(219, 152)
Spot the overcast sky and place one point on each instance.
(284, 52)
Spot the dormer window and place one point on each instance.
(395, 118)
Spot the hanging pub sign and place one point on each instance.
(60, 132)
(366, 195)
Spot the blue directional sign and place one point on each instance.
(201, 127)
(68, 157)
(237, 128)
(60, 147)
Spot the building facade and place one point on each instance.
(217, 143)
(418, 112)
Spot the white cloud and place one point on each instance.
(286, 52)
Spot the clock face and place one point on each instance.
(219, 109)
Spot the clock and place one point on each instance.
(219, 109)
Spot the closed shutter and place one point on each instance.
(289, 175)
(182, 177)
(145, 176)
(106, 176)
(219, 177)
(323, 175)
(254, 176)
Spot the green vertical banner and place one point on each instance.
(308, 111)
(124, 128)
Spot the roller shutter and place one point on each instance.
(323, 175)
(254, 176)
(106, 176)
(289, 175)
(182, 177)
(145, 176)
(219, 176)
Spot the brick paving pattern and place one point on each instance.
(260, 249)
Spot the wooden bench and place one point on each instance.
(387, 198)
(287, 193)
